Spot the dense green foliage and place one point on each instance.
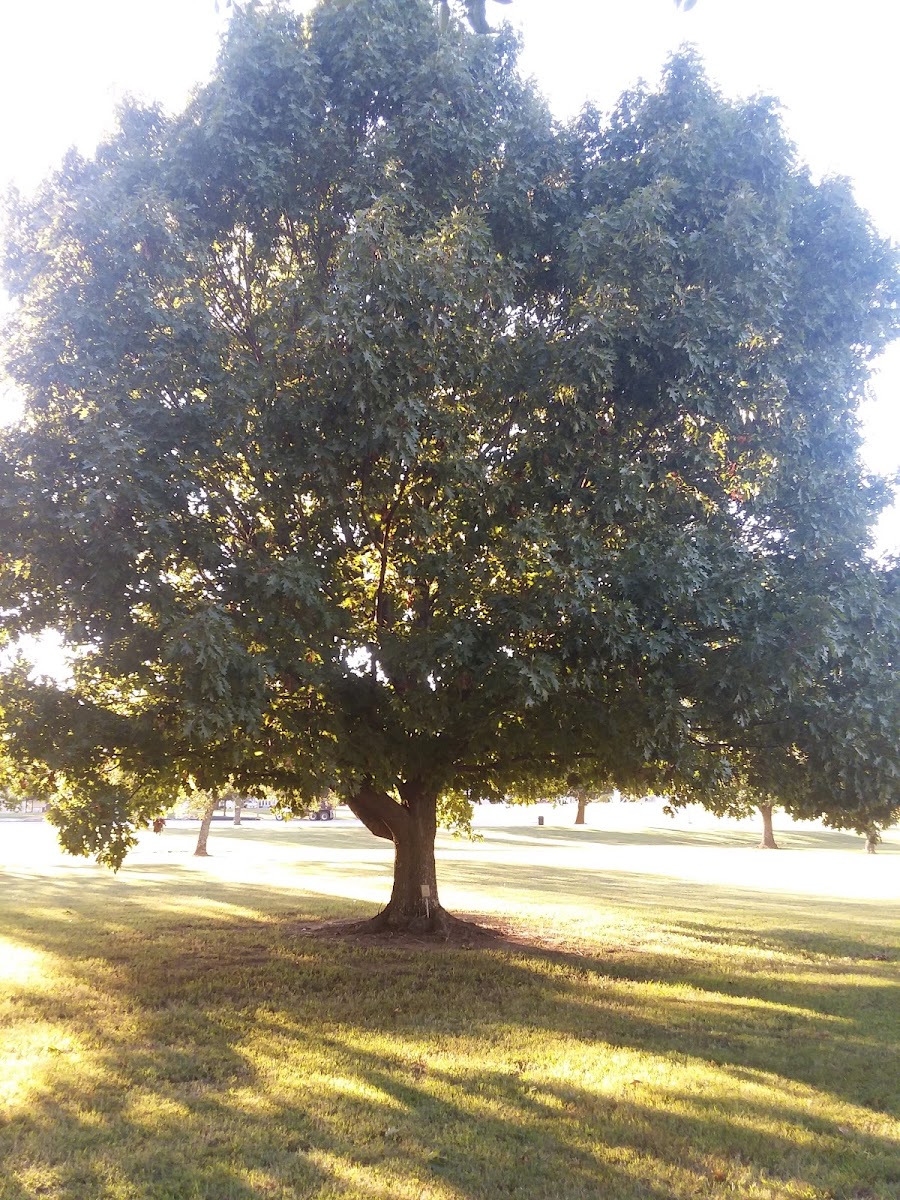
(381, 434)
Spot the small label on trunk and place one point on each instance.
(426, 891)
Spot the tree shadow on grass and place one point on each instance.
(222, 1056)
(679, 835)
(186, 1095)
(392, 1130)
(856, 923)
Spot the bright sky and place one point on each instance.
(65, 64)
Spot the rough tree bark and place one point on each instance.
(205, 822)
(411, 825)
(873, 837)
(768, 838)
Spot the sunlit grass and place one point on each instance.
(178, 1032)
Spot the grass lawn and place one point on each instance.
(672, 1014)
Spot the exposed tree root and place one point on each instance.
(437, 923)
(447, 930)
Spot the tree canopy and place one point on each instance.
(382, 434)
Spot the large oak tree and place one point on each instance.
(383, 435)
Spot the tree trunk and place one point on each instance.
(582, 807)
(873, 837)
(238, 805)
(414, 906)
(205, 822)
(768, 838)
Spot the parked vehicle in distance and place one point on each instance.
(325, 812)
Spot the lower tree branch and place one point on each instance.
(378, 812)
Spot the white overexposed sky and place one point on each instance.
(66, 64)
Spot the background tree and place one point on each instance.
(736, 798)
(204, 807)
(840, 725)
(584, 796)
(767, 841)
(381, 434)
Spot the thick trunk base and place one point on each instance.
(437, 922)
(439, 926)
(414, 907)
